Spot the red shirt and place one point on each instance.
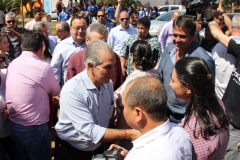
(76, 65)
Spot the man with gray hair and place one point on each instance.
(63, 30)
(225, 64)
(86, 106)
(41, 27)
(96, 31)
(14, 35)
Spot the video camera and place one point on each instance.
(109, 155)
(195, 7)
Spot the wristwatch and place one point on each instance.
(223, 12)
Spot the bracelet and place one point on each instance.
(125, 134)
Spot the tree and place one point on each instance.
(8, 4)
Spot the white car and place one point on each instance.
(52, 16)
(168, 8)
(157, 24)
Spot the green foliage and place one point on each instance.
(228, 4)
(8, 4)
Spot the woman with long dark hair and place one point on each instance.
(143, 65)
(205, 119)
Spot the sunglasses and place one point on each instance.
(100, 16)
(122, 19)
(13, 21)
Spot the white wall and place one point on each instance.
(159, 2)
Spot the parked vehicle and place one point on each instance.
(157, 24)
(52, 16)
(168, 8)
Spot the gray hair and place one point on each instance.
(92, 54)
(10, 15)
(148, 93)
(96, 27)
(64, 26)
(37, 25)
(236, 21)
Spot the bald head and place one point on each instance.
(124, 19)
(123, 13)
(149, 94)
(175, 14)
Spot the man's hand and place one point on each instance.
(119, 1)
(12, 32)
(133, 134)
(5, 114)
(123, 153)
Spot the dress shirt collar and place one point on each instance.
(148, 37)
(129, 27)
(88, 83)
(30, 54)
(193, 47)
(71, 41)
(152, 135)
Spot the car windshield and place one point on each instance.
(165, 17)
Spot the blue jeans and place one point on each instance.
(33, 143)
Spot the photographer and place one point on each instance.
(14, 35)
(144, 101)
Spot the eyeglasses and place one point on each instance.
(13, 21)
(100, 16)
(122, 19)
(77, 29)
(220, 19)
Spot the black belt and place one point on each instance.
(175, 115)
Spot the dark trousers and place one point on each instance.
(63, 151)
(7, 149)
(32, 142)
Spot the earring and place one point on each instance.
(0, 52)
(187, 94)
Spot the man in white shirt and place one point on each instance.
(37, 14)
(225, 62)
(144, 101)
(121, 33)
(225, 65)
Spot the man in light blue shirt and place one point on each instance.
(121, 33)
(86, 106)
(67, 47)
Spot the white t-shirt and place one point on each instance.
(225, 64)
(165, 142)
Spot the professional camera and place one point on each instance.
(199, 7)
(109, 155)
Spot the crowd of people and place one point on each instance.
(89, 10)
(168, 97)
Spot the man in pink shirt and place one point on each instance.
(29, 84)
